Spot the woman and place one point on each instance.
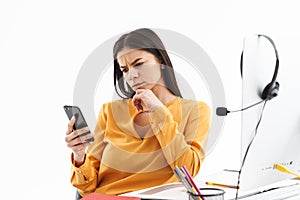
(142, 137)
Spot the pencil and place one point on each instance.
(191, 179)
(222, 185)
(184, 181)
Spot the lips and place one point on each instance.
(137, 85)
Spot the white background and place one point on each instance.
(43, 45)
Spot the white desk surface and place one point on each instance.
(176, 191)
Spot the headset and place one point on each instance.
(271, 90)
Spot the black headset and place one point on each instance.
(272, 89)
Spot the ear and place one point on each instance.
(160, 59)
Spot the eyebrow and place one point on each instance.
(134, 62)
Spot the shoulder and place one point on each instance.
(194, 104)
(115, 105)
(118, 102)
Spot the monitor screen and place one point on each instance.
(277, 137)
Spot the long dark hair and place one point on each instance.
(147, 40)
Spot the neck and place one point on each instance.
(163, 94)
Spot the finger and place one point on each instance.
(139, 91)
(136, 102)
(76, 141)
(79, 147)
(86, 137)
(81, 135)
(70, 125)
(138, 105)
(136, 97)
(83, 131)
(71, 136)
(74, 134)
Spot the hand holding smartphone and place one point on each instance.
(80, 122)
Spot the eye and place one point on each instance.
(123, 69)
(139, 64)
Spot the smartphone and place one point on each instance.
(79, 122)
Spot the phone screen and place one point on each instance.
(80, 121)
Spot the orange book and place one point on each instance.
(97, 196)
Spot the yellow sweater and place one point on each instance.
(119, 161)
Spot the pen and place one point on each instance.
(222, 185)
(191, 179)
(181, 177)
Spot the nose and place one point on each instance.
(132, 73)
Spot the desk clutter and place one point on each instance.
(194, 192)
(215, 186)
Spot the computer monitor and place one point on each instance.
(277, 139)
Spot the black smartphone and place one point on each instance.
(79, 122)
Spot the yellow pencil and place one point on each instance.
(285, 170)
(222, 185)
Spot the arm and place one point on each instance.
(182, 141)
(85, 176)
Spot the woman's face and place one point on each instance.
(141, 69)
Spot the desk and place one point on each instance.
(287, 189)
(172, 191)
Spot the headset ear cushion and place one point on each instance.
(269, 93)
(275, 90)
